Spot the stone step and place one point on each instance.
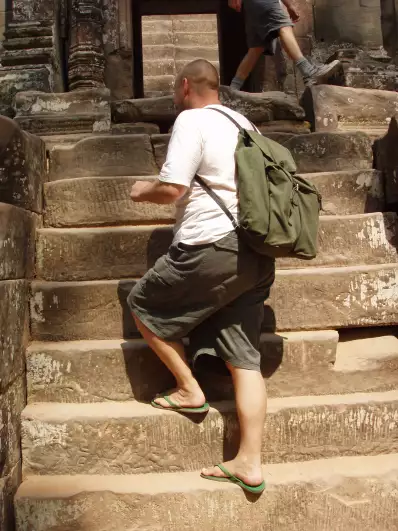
(293, 363)
(160, 67)
(302, 299)
(162, 38)
(128, 252)
(195, 39)
(106, 201)
(158, 86)
(152, 26)
(332, 108)
(99, 201)
(179, 53)
(355, 493)
(135, 438)
(195, 25)
(110, 155)
(190, 53)
(170, 65)
(158, 52)
(366, 350)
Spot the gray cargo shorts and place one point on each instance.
(214, 294)
(264, 19)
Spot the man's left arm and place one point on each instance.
(183, 159)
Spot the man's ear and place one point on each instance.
(185, 84)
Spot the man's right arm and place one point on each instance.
(235, 4)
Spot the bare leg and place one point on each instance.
(289, 43)
(188, 392)
(248, 63)
(251, 404)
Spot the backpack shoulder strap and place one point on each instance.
(217, 199)
(241, 129)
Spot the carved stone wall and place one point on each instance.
(86, 52)
(22, 168)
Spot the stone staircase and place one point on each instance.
(170, 42)
(97, 457)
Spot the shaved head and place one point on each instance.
(201, 75)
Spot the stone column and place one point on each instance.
(86, 52)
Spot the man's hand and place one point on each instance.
(235, 4)
(294, 13)
(137, 191)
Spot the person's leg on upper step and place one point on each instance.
(233, 334)
(266, 21)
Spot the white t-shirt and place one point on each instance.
(203, 142)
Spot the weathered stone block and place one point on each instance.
(348, 22)
(17, 242)
(103, 156)
(331, 108)
(12, 403)
(71, 112)
(22, 167)
(8, 489)
(285, 126)
(355, 493)
(350, 192)
(142, 128)
(14, 327)
(262, 107)
(322, 152)
(28, 10)
(93, 371)
(144, 110)
(120, 252)
(99, 201)
(20, 78)
(316, 152)
(305, 299)
(61, 439)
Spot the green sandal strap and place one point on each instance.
(169, 401)
(254, 489)
(227, 473)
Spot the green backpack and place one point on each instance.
(278, 210)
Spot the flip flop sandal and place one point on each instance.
(175, 407)
(233, 479)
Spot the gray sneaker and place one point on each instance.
(322, 73)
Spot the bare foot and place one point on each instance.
(249, 473)
(193, 397)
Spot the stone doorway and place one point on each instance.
(230, 30)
